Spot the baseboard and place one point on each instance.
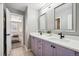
(27, 48)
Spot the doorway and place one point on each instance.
(13, 31)
(16, 30)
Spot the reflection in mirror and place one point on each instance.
(58, 23)
(43, 22)
(63, 17)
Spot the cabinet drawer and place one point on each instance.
(47, 50)
(77, 53)
(62, 51)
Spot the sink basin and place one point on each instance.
(57, 39)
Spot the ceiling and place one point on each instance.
(22, 6)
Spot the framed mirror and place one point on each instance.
(65, 17)
(42, 23)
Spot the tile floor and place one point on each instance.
(21, 52)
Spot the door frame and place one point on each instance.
(24, 30)
(5, 39)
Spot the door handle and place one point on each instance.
(7, 34)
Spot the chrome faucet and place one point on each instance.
(40, 32)
(61, 35)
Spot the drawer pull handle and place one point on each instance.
(52, 46)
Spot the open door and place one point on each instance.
(8, 32)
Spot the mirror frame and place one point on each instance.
(39, 29)
(73, 18)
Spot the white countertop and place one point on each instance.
(71, 42)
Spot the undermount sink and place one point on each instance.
(58, 39)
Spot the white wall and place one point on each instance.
(31, 22)
(1, 29)
(32, 19)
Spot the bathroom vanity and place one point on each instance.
(45, 45)
(58, 18)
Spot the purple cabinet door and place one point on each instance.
(77, 53)
(68, 52)
(39, 45)
(61, 51)
(35, 46)
(47, 50)
(32, 44)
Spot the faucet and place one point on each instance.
(40, 32)
(61, 35)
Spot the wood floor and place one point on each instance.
(16, 45)
(20, 52)
(18, 49)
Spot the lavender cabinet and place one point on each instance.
(68, 52)
(77, 53)
(32, 44)
(61, 51)
(48, 49)
(39, 47)
(36, 46)
(51, 49)
(42, 47)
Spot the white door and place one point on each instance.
(8, 32)
(1, 30)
